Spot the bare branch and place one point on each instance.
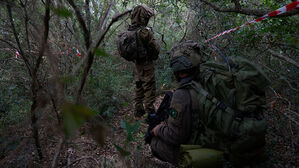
(90, 55)
(87, 11)
(34, 84)
(285, 58)
(58, 149)
(45, 37)
(82, 158)
(9, 43)
(101, 23)
(246, 11)
(86, 33)
(17, 40)
(114, 19)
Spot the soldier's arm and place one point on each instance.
(149, 40)
(178, 127)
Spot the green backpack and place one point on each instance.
(227, 108)
(130, 46)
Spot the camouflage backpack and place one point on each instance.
(227, 107)
(130, 47)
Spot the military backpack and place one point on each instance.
(130, 46)
(227, 108)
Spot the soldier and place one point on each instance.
(145, 70)
(169, 136)
(184, 128)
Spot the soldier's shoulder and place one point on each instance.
(181, 95)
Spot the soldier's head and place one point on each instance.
(141, 15)
(185, 59)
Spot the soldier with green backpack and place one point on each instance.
(138, 45)
(216, 114)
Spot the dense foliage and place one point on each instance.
(42, 77)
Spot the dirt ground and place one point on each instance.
(17, 148)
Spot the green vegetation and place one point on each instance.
(99, 87)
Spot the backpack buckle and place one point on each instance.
(239, 119)
(222, 106)
(238, 115)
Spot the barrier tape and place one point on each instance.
(17, 54)
(277, 12)
(78, 52)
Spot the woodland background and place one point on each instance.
(61, 110)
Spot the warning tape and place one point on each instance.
(17, 54)
(277, 12)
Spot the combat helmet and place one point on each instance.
(185, 56)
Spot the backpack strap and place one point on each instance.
(195, 88)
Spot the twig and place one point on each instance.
(290, 85)
(58, 149)
(294, 121)
(70, 153)
(104, 17)
(82, 158)
(280, 56)
(289, 103)
(186, 28)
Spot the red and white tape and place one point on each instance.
(17, 53)
(277, 12)
(78, 52)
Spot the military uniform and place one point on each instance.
(145, 70)
(202, 131)
(177, 129)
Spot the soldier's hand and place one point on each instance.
(154, 130)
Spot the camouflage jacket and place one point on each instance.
(178, 128)
(148, 40)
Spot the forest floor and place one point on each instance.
(82, 150)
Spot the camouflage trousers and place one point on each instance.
(165, 151)
(145, 86)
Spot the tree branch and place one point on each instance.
(34, 84)
(114, 19)
(17, 40)
(285, 58)
(246, 11)
(58, 149)
(84, 157)
(90, 55)
(86, 33)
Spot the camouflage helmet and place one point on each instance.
(185, 56)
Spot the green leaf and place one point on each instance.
(135, 127)
(123, 124)
(122, 151)
(100, 52)
(126, 104)
(62, 12)
(74, 116)
(130, 129)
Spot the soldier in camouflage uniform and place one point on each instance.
(178, 128)
(169, 135)
(145, 70)
(182, 129)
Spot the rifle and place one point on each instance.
(156, 118)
